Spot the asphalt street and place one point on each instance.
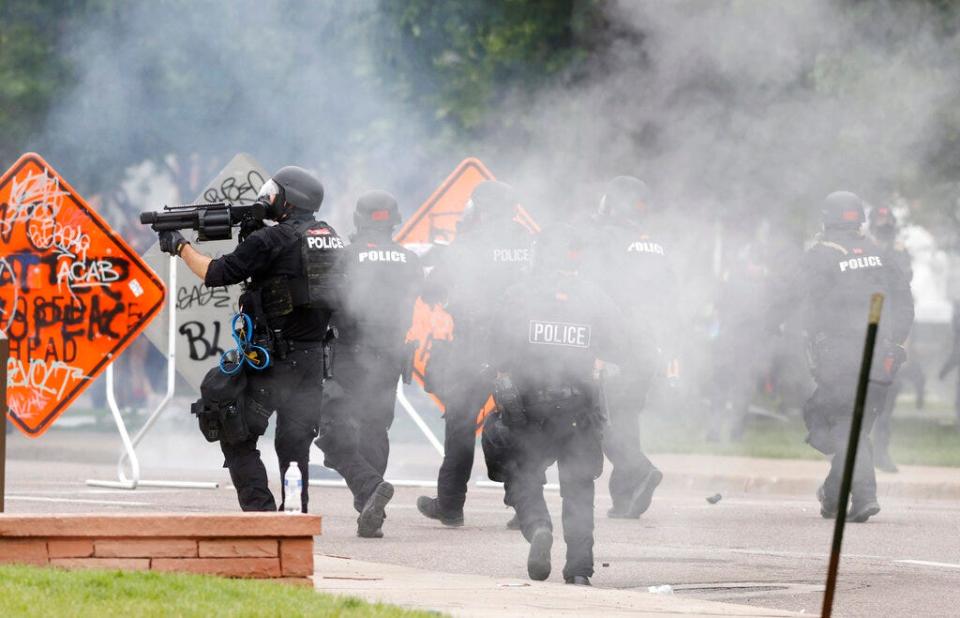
(762, 550)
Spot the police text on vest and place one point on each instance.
(560, 333)
(871, 261)
(324, 242)
(382, 255)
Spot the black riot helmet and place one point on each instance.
(376, 210)
(491, 200)
(883, 223)
(625, 197)
(557, 248)
(842, 210)
(291, 187)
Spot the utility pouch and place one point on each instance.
(208, 419)
(276, 297)
(506, 396)
(222, 402)
(329, 351)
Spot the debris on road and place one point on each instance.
(714, 498)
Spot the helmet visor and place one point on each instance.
(269, 192)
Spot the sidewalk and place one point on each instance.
(479, 596)
(719, 474)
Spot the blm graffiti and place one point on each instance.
(72, 294)
(202, 327)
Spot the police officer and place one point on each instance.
(548, 335)
(383, 280)
(739, 359)
(630, 260)
(291, 278)
(487, 256)
(836, 278)
(883, 230)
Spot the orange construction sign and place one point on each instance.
(436, 220)
(73, 295)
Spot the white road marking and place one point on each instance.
(78, 501)
(945, 565)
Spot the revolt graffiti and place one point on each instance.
(72, 293)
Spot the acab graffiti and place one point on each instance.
(69, 293)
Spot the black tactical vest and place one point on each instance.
(318, 285)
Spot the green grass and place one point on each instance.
(916, 440)
(46, 592)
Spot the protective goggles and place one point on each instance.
(269, 192)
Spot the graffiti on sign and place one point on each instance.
(72, 293)
(203, 314)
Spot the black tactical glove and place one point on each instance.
(172, 242)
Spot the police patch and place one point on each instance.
(856, 263)
(559, 333)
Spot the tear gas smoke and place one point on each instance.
(740, 115)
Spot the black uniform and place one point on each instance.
(836, 278)
(293, 385)
(548, 334)
(740, 358)
(382, 280)
(881, 432)
(476, 269)
(633, 266)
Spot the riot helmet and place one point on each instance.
(491, 200)
(842, 210)
(376, 210)
(557, 248)
(291, 187)
(883, 223)
(625, 197)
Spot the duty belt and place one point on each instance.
(556, 393)
(293, 346)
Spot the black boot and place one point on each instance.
(578, 580)
(538, 560)
(643, 496)
(430, 507)
(828, 508)
(862, 510)
(370, 521)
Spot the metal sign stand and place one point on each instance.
(129, 454)
(876, 304)
(4, 354)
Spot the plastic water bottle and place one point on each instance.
(292, 488)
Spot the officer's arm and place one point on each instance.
(247, 260)
(197, 262)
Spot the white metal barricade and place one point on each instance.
(128, 454)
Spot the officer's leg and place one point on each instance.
(622, 445)
(376, 417)
(580, 464)
(296, 428)
(881, 431)
(533, 452)
(459, 443)
(634, 477)
(247, 472)
(864, 487)
(248, 475)
(338, 440)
